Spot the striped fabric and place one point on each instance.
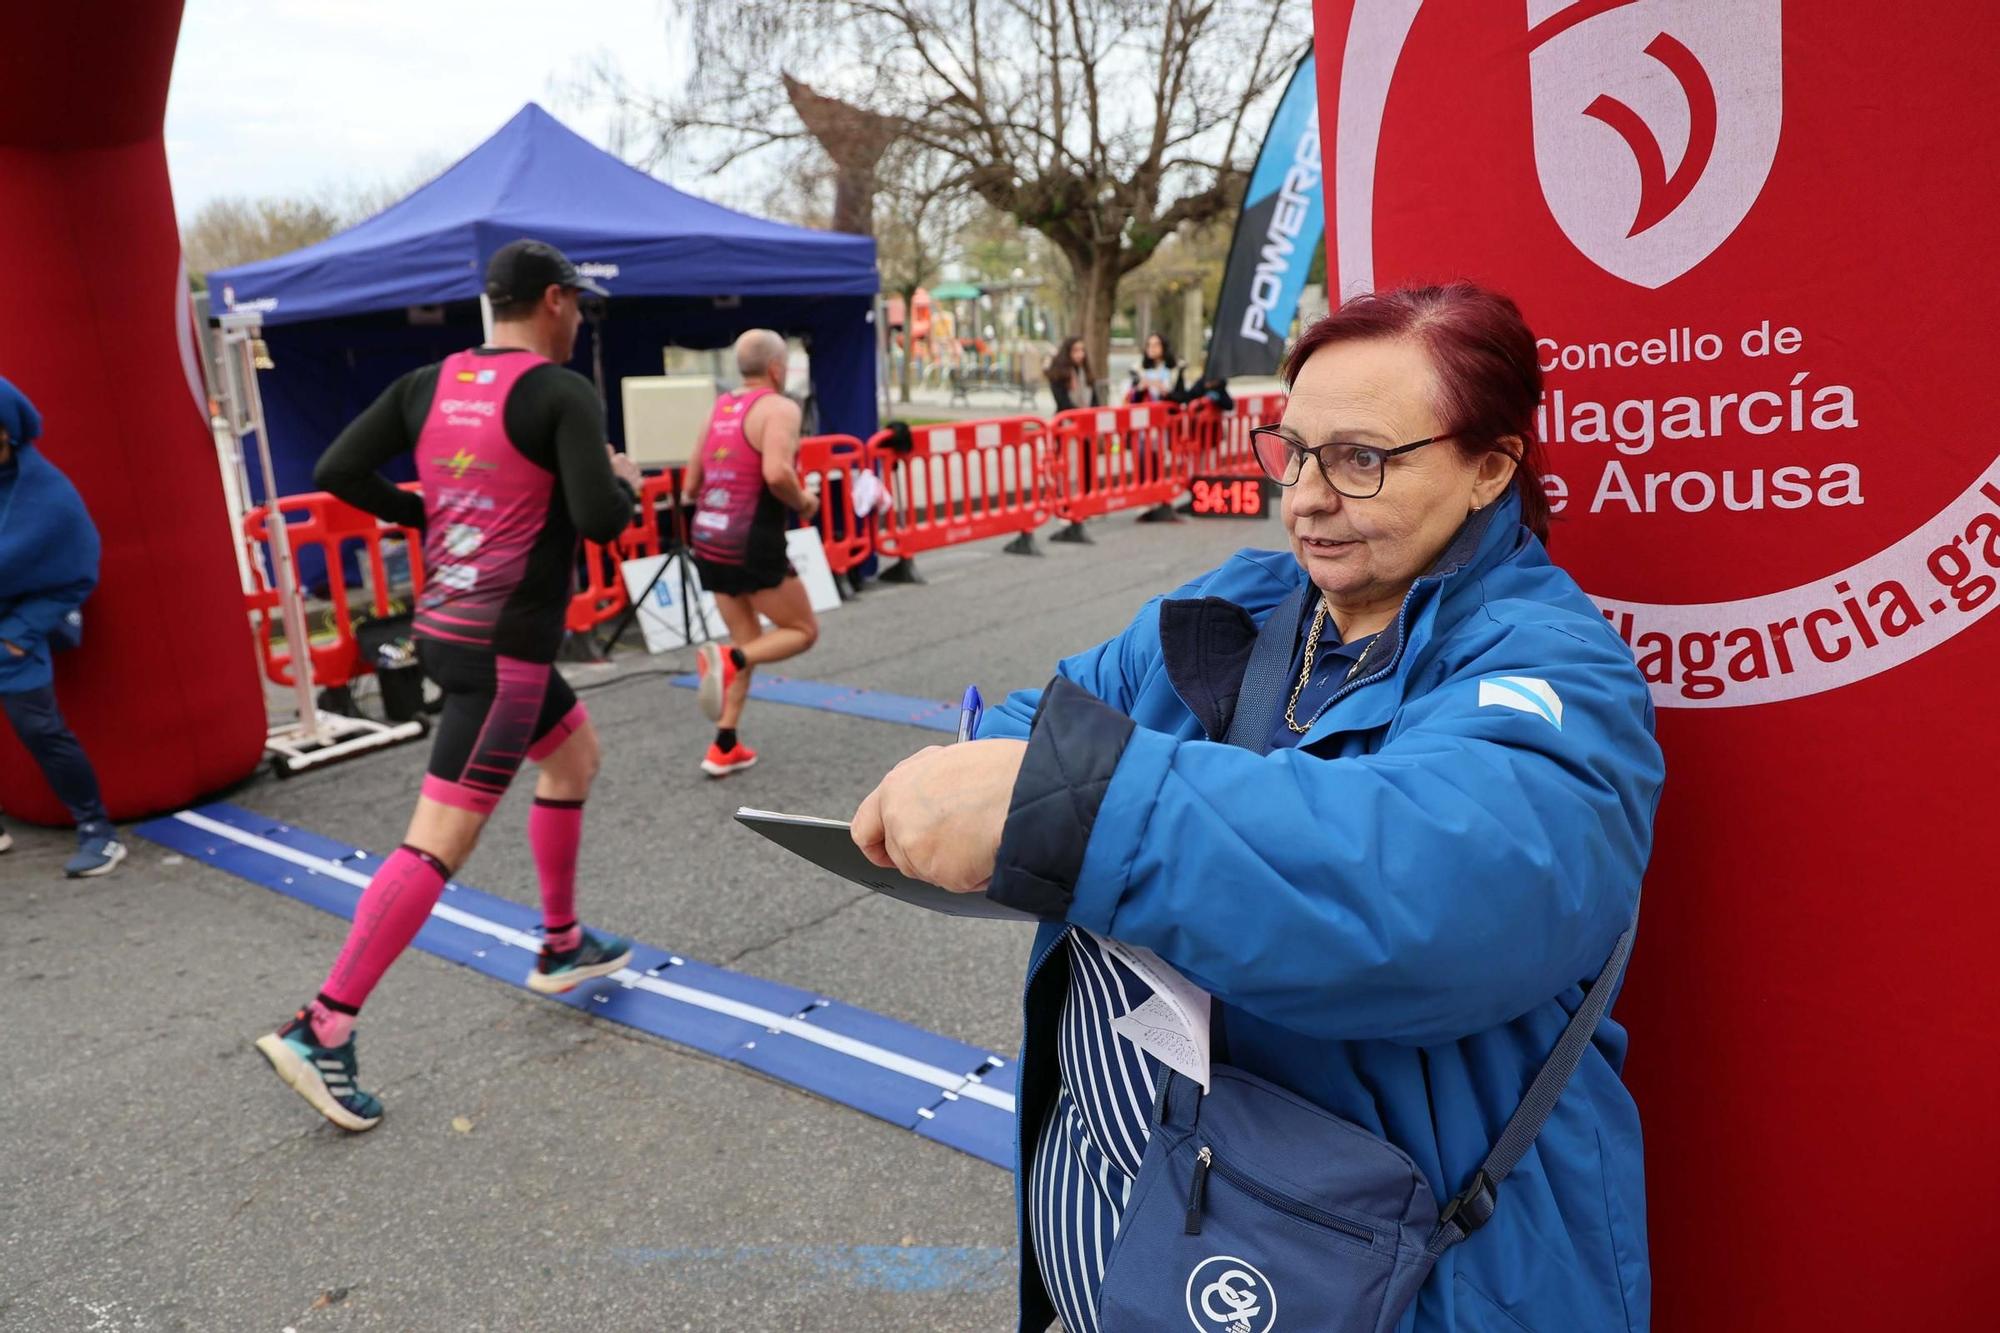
(1095, 1134)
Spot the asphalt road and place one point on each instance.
(155, 1175)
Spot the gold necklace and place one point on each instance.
(1312, 648)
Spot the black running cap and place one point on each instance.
(522, 270)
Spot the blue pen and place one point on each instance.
(969, 713)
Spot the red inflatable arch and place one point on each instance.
(164, 693)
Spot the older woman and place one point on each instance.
(1396, 867)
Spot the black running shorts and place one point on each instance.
(497, 711)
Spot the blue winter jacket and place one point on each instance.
(48, 548)
(1395, 918)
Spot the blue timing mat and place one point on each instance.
(939, 1088)
(930, 714)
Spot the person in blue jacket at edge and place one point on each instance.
(48, 565)
(1398, 907)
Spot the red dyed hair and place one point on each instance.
(1489, 381)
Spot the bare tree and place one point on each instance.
(855, 140)
(1103, 124)
(995, 245)
(232, 231)
(800, 191)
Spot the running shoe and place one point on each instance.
(95, 855)
(6, 840)
(716, 672)
(323, 1075)
(596, 956)
(720, 763)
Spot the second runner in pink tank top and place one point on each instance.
(732, 481)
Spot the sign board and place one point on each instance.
(1756, 242)
(808, 557)
(668, 617)
(665, 618)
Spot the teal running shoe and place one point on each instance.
(323, 1075)
(596, 956)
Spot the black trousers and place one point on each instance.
(39, 723)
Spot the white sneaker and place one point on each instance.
(97, 856)
(6, 841)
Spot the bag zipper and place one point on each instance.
(1204, 1162)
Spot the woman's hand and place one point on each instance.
(937, 816)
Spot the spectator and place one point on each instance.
(1208, 388)
(48, 566)
(1070, 378)
(1386, 797)
(1157, 377)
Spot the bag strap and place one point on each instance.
(1258, 700)
(1257, 705)
(1473, 1206)
(1270, 666)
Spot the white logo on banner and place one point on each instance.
(1656, 123)
(1878, 613)
(1227, 1295)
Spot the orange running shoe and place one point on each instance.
(716, 671)
(720, 763)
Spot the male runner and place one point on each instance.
(510, 449)
(743, 481)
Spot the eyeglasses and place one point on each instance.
(1356, 471)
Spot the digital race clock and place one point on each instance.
(1229, 497)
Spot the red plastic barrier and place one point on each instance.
(1224, 437)
(963, 483)
(1201, 434)
(848, 538)
(602, 596)
(643, 537)
(1105, 459)
(318, 519)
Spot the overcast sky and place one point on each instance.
(286, 97)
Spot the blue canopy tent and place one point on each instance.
(345, 317)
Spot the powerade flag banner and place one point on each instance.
(1276, 235)
(1756, 241)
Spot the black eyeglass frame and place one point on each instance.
(1318, 452)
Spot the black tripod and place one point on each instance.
(676, 551)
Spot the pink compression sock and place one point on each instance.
(330, 1026)
(393, 908)
(555, 832)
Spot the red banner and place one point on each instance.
(1757, 244)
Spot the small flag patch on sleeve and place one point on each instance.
(1526, 693)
